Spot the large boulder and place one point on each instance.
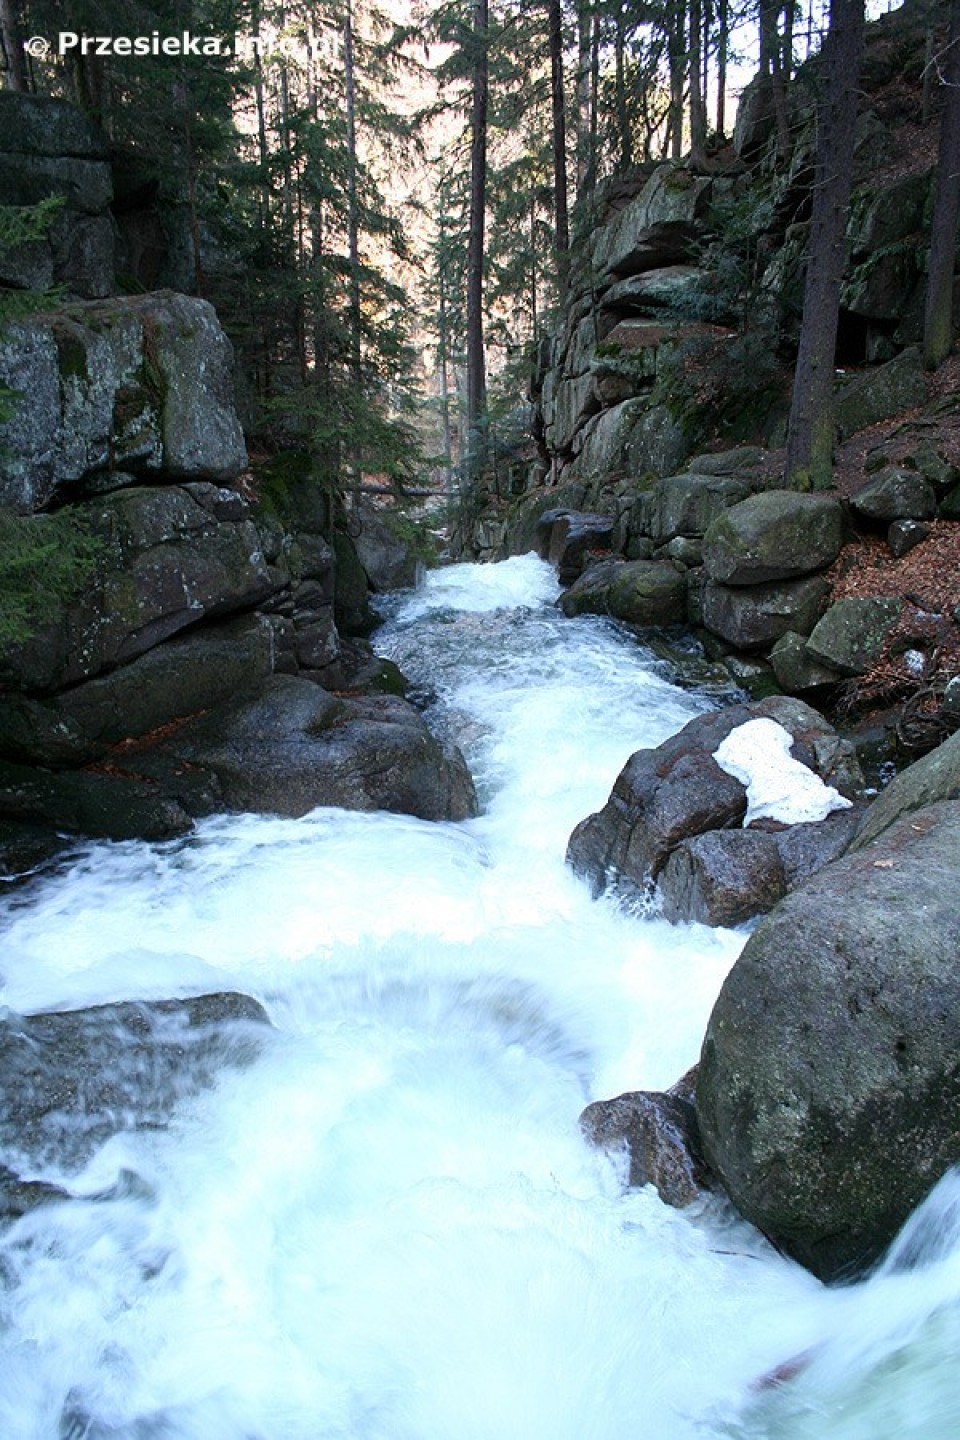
(896, 494)
(688, 504)
(573, 534)
(680, 789)
(881, 392)
(188, 674)
(295, 746)
(142, 384)
(776, 535)
(828, 1095)
(388, 559)
(934, 778)
(754, 617)
(168, 557)
(639, 592)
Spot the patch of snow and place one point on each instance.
(779, 787)
(915, 661)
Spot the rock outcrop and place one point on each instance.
(135, 386)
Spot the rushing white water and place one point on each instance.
(389, 1227)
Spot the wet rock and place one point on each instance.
(934, 778)
(659, 1133)
(109, 806)
(754, 617)
(647, 592)
(828, 1094)
(722, 878)
(295, 746)
(590, 593)
(188, 674)
(896, 494)
(851, 633)
(164, 563)
(776, 535)
(70, 1080)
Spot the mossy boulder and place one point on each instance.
(776, 535)
(850, 635)
(688, 504)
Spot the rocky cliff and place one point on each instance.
(168, 645)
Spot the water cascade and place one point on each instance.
(388, 1226)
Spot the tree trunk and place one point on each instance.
(809, 463)
(353, 214)
(723, 55)
(698, 110)
(476, 364)
(14, 59)
(585, 165)
(676, 45)
(560, 207)
(938, 314)
(624, 146)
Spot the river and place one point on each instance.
(389, 1226)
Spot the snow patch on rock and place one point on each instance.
(779, 787)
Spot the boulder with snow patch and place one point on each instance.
(681, 789)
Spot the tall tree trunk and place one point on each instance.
(723, 56)
(938, 314)
(624, 146)
(476, 362)
(676, 46)
(771, 67)
(14, 59)
(809, 462)
(585, 27)
(560, 205)
(353, 213)
(698, 110)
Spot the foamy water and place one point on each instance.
(389, 1225)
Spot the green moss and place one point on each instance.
(71, 354)
(46, 561)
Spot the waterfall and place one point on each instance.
(388, 1226)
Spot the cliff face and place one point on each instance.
(149, 605)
